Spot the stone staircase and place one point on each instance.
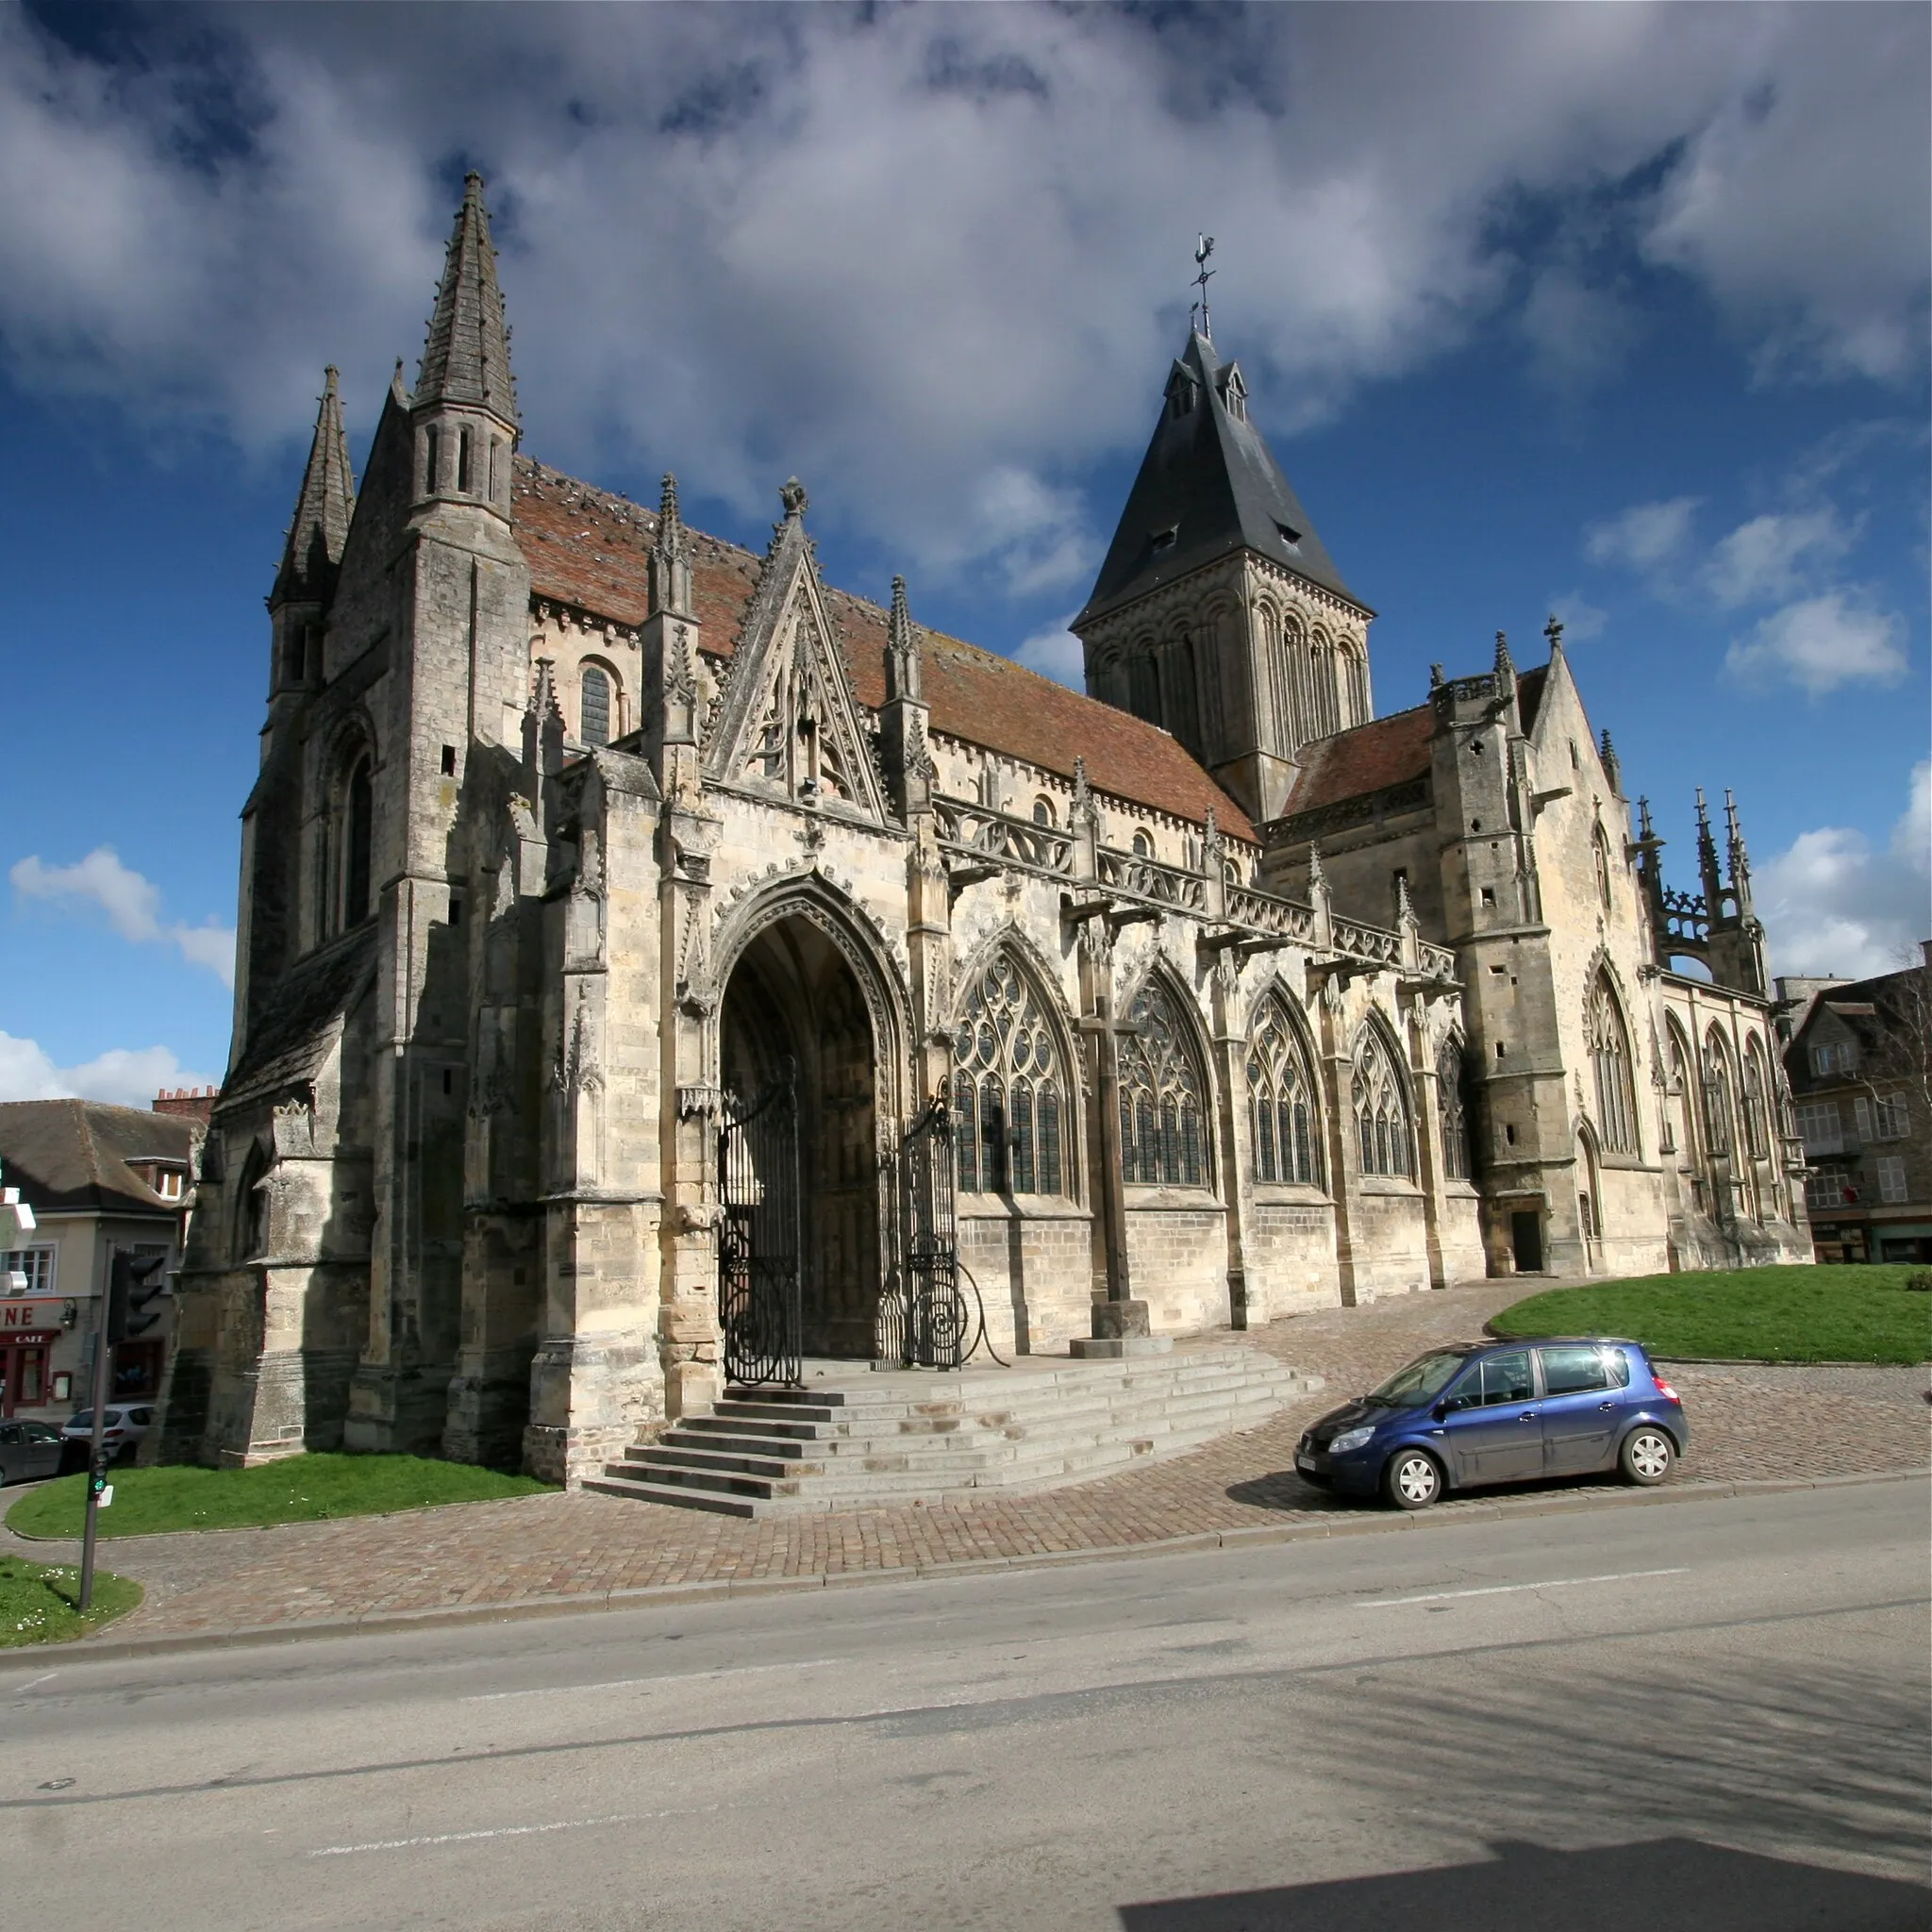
(852, 1439)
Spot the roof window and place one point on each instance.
(1289, 535)
(1166, 540)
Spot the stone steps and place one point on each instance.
(877, 1441)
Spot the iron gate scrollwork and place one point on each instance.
(924, 1317)
(759, 1244)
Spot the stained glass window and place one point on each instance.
(1381, 1110)
(1609, 1053)
(1284, 1122)
(1006, 1089)
(1162, 1141)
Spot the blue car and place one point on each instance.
(1501, 1412)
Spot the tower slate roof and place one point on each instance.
(466, 357)
(1208, 486)
(323, 509)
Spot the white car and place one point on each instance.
(122, 1427)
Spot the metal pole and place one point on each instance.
(93, 1459)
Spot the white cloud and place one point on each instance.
(1819, 644)
(1056, 653)
(131, 903)
(127, 1077)
(1646, 537)
(904, 250)
(1832, 905)
(1770, 556)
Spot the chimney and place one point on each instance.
(188, 1103)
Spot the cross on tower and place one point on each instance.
(1203, 247)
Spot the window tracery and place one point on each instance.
(1381, 1110)
(1719, 1112)
(1009, 1088)
(594, 705)
(1160, 1088)
(1285, 1129)
(1609, 1058)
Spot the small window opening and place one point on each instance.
(1143, 846)
(1476, 825)
(455, 909)
(448, 1082)
(1575, 762)
(1289, 536)
(1490, 899)
(495, 444)
(1509, 1133)
(1502, 1048)
(432, 461)
(1165, 540)
(449, 761)
(1476, 748)
(463, 468)
(1042, 811)
(595, 706)
(1497, 972)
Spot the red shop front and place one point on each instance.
(24, 1375)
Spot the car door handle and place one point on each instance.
(1528, 1415)
(1607, 1407)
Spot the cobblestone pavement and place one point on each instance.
(1751, 1423)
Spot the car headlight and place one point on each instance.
(1350, 1439)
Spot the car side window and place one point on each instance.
(1506, 1377)
(1618, 1364)
(9, 1432)
(141, 1417)
(1573, 1369)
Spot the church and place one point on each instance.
(658, 968)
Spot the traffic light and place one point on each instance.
(135, 1282)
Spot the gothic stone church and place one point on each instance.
(575, 830)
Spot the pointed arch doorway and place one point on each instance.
(792, 996)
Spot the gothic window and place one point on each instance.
(358, 828)
(1452, 1111)
(1325, 717)
(1143, 846)
(1162, 1119)
(1677, 1088)
(1042, 811)
(593, 709)
(1354, 669)
(1144, 681)
(1381, 1110)
(1719, 1112)
(251, 1226)
(1285, 1126)
(1609, 1055)
(1007, 1090)
(1180, 707)
(1235, 393)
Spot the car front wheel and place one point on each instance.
(1413, 1479)
(1646, 1456)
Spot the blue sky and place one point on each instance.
(1620, 310)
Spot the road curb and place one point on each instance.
(647, 1596)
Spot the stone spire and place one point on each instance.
(466, 359)
(1613, 766)
(905, 663)
(671, 555)
(323, 509)
(1738, 861)
(1506, 667)
(1706, 856)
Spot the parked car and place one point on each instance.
(29, 1450)
(1501, 1412)
(122, 1427)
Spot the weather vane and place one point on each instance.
(1203, 247)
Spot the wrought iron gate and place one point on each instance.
(759, 1235)
(923, 1320)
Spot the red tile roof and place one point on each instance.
(1386, 751)
(1370, 758)
(592, 550)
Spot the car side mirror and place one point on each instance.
(1440, 1411)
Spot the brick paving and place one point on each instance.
(1751, 1423)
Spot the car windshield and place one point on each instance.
(1422, 1380)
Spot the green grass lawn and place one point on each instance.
(300, 1489)
(1833, 1313)
(37, 1602)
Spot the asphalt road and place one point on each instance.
(1709, 1714)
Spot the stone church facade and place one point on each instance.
(574, 827)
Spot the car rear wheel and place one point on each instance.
(1413, 1479)
(1646, 1456)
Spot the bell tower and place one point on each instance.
(1219, 613)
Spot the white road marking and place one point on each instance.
(810, 1663)
(19, 1690)
(1437, 1596)
(459, 1838)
